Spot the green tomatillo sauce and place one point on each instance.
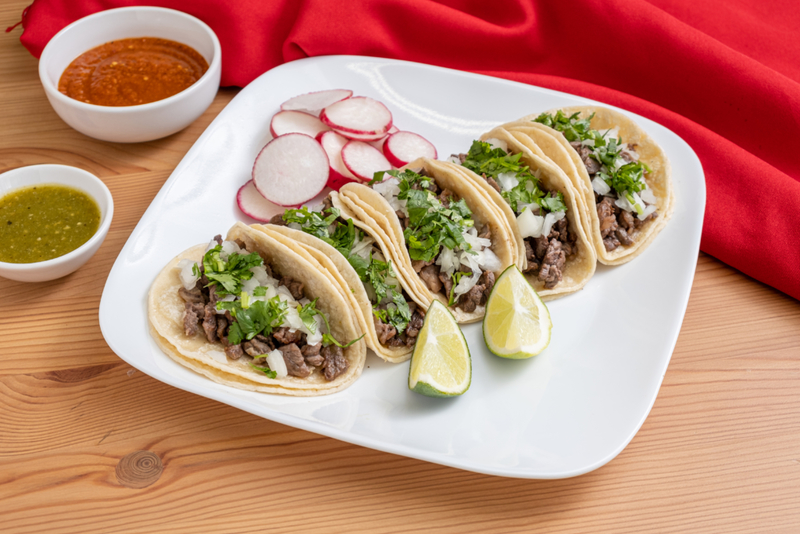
(45, 221)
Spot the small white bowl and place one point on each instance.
(145, 122)
(61, 175)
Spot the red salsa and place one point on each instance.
(129, 72)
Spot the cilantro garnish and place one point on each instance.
(229, 274)
(456, 279)
(552, 203)
(431, 225)
(573, 128)
(307, 314)
(261, 317)
(266, 370)
(627, 179)
(328, 339)
(482, 159)
(343, 235)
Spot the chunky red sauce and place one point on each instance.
(130, 72)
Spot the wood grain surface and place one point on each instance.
(88, 444)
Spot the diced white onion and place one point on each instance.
(229, 247)
(294, 226)
(497, 143)
(489, 260)
(623, 203)
(475, 242)
(507, 180)
(249, 285)
(363, 248)
(316, 337)
(549, 220)
(276, 362)
(293, 320)
(647, 211)
(188, 279)
(260, 274)
(533, 206)
(389, 189)
(466, 283)
(530, 225)
(648, 196)
(618, 162)
(588, 142)
(211, 244)
(448, 261)
(454, 159)
(600, 186)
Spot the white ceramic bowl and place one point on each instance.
(145, 122)
(62, 175)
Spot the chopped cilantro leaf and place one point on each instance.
(552, 203)
(456, 277)
(307, 314)
(573, 128)
(627, 179)
(262, 317)
(482, 159)
(266, 370)
(431, 225)
(228, 274)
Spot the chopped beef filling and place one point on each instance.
(295, 288)
(617, 226)
(430, 273)
(546, 255)
(312, 355)
(283, 336)
(387, 334)
(335, 363)
(200, 312)
(295, 363)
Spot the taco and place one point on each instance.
(621, 173)
(251, 313)
(446, 241)
(541, 208)
(355, 258)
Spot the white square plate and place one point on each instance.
(566, 412)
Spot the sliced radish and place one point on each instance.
(284, 122)
(379, 143)
(359, 117)
(402, 148)
(291, 169)
(316, 101)
(333, 143)
(254, 205)
(364, 160)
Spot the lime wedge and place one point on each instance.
(441, 364)
(517, 324)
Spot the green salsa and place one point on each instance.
(45, 221)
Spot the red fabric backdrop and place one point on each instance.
(723, 74)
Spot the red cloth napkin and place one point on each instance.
(722, 74)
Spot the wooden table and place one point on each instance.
(720, 452)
